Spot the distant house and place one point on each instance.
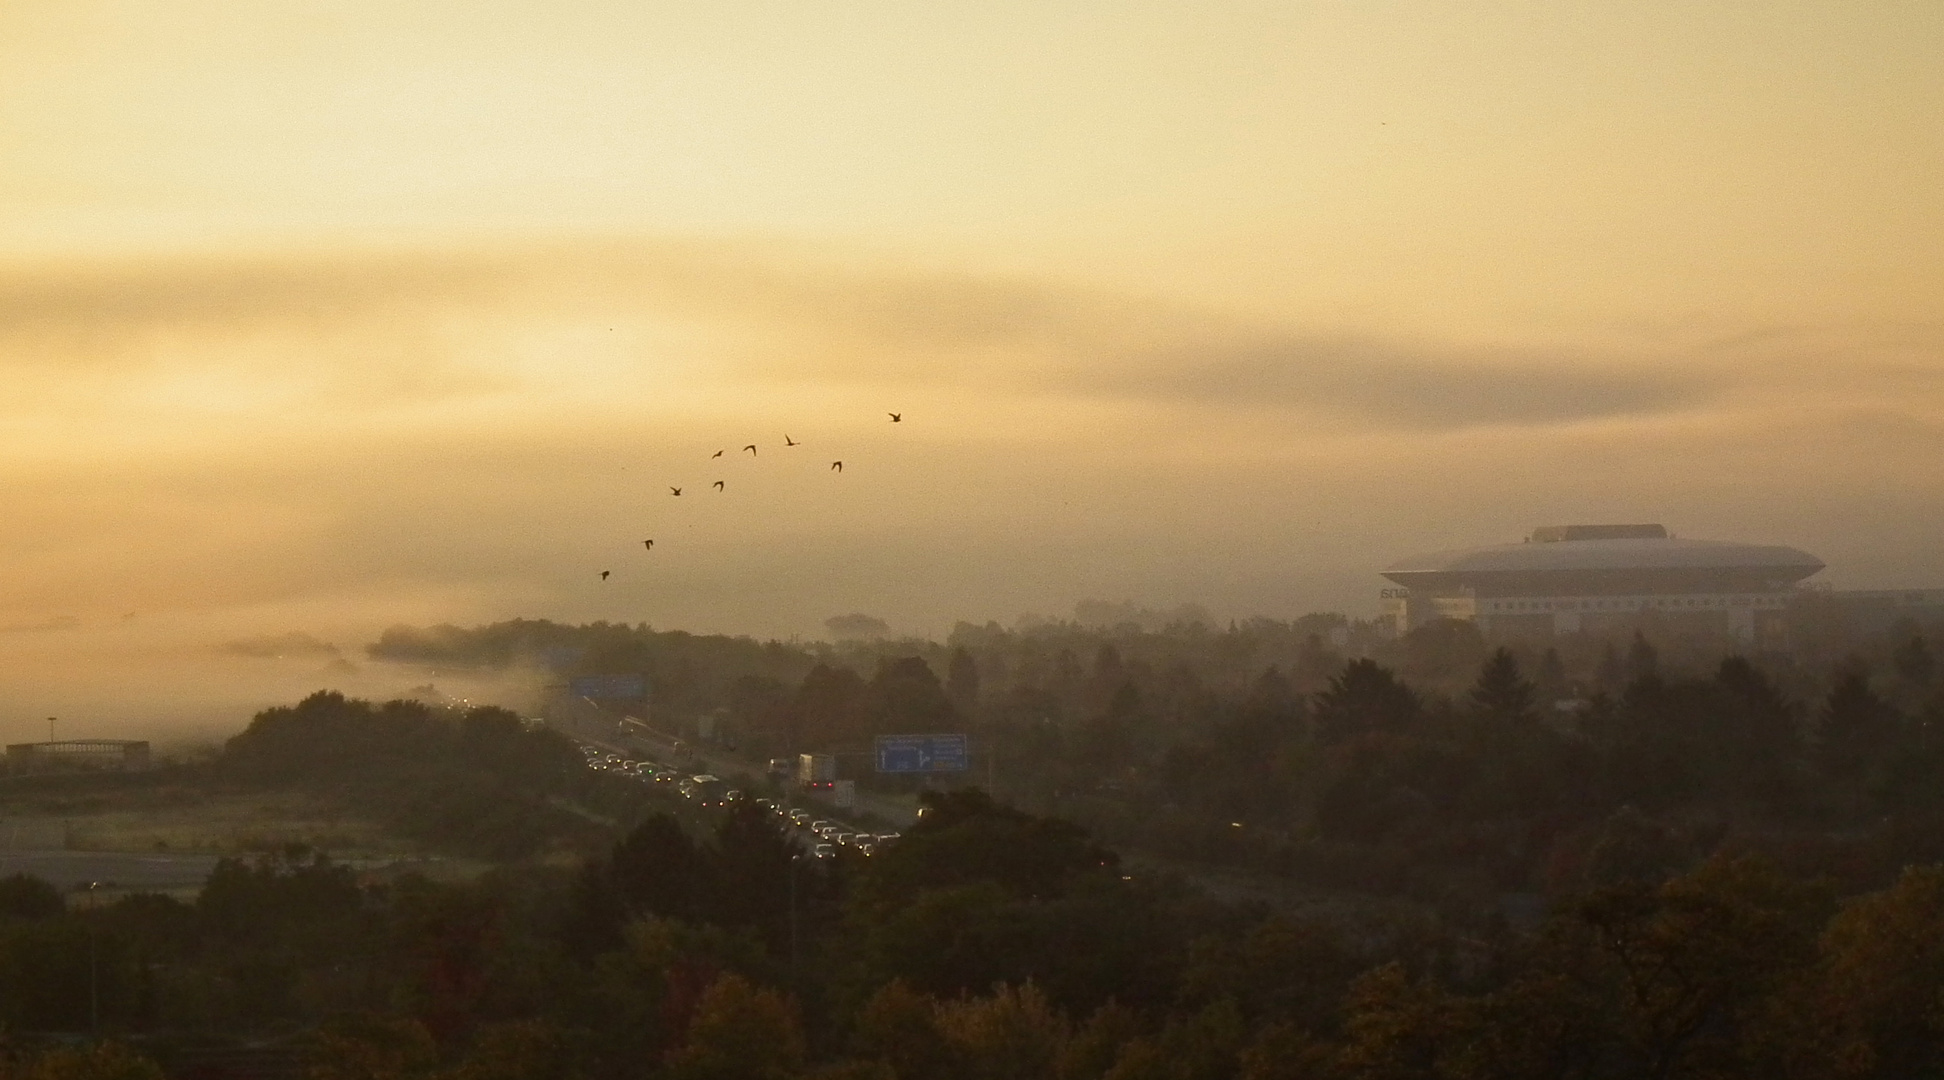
(113, 755)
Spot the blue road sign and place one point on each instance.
(921, 753)
(614, 687)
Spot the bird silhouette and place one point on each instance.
(838, 465)
(649, 544)
(751, 448)
(676, 490)
(605, 573)
(787, 441)
(715, 455)
(896, 418)
(718, 485)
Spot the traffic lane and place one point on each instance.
(902, 813)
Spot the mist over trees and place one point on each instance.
(1439, 765)
(1269, 850)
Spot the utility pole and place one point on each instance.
(795, 976)
(794, 973)
(50, 729)
(94, 967)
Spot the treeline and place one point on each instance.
(1371, 785)
(691, 674)
(988, 944)
(1345, 774)
(470, 781)
(1436, 767)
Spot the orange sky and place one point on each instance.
(320, 316)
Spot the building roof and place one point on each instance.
(1631, 555)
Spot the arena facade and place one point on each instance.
(1593, 578)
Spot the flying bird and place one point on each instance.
(787, 441)
(896, 418)
(751, 448)
(838, 465)
(718, 485)
(676, 490)
(649, 544)
(715, 455)
(605, 573)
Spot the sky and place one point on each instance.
(318, 317)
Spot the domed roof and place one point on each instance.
(1628, 554)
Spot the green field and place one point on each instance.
(186, 821)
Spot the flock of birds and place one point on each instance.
(835, 466)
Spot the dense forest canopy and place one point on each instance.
(989, 942)
(1439, 766)
(1242, 854)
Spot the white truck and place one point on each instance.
(817, 771)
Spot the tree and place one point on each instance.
(1198, 1046)
(1443, 650)
(521, 1050)
(1092, 1048)
(657, 870)
(824, 708)
(1760, 744)
(962, 678)
(1365, 697)
(1012, 1034)
(1398, 1028)
(654, 870)
(740, 1032)
(1688, 967)
(25, 897)
(749, 880)
(1551, 680)
(1613, 671)
(964, 837)
(102, 1061)
(1643, 661)
(898, 1026)
(1502, 696)
(1856, 727)
(905, 696)
(1914, 662)
(368, 1046)
(1282, 969)
(857, 626)
(1875, 1007)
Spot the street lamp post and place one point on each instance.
(795, 977)
(94, 967)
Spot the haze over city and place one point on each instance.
(319, 318)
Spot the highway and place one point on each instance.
(599, 729)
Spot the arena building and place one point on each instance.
(1593, 578)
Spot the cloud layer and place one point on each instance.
(248, 459)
